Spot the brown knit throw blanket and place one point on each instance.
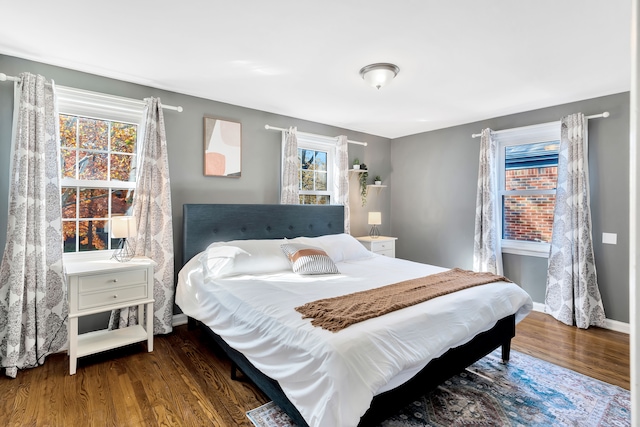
(335, 314)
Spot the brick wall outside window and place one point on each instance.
(529, 218)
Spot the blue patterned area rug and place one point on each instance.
(525, 392)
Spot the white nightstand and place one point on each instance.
(103, 285)
(382, 245)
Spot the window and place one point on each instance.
(98, 162)
(315, 161)
(528, 171)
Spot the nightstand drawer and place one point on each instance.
(112, 296)
(389, 252)
(111, 280)
(382, 246)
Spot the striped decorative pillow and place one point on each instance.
(307, 259)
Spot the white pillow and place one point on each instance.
(256, 256)
(218, 260)
(339, 247)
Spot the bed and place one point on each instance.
(359, 375)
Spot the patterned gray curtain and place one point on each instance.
(572, 294)
(341, 179)
(487, 253)
(290, 188)
(152, 209)
(33, 300)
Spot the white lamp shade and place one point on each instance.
(375, 218)
(123, 227)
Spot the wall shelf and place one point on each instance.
(379, 187)
(356, 173)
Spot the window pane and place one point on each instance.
(321, 181)
(68, 198)
(528, 218)
(122, 166)
(94, 203)
(68, 131)
(68, 163)
(309, 199)
(93, 134)
(115, 243)
(121, 201)
(92, 165)
(93, 235)
(69, 236)
(123, 137)
(307, 157)
(306, 183)
(531, 166)
(321, 161)
(531, 178)
(322, 200)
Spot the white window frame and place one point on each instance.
(319, 143)
(546, 132)
(94, 105)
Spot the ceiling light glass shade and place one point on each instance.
(378, 75)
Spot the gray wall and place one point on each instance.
(260, 148)
(433, 198)
(430, 202)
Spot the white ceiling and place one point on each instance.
(460, 60)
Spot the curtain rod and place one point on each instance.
(593, 116)
(4, 78)
(267, 127)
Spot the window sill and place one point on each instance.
(517, 247)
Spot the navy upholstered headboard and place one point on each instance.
(207, 223)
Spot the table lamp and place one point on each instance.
(375, 219)
(123, 227)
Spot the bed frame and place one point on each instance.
(207, 223)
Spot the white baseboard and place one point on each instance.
(179, 319)
(613, 325)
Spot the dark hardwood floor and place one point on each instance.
(185, 381)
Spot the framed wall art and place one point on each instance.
(222, 148)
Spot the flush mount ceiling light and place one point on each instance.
(378, 75)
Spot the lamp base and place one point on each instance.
(124, 252)
(374, 233)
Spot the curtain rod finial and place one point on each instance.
(605, 114)
(3, 77)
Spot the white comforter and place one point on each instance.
(332, 377)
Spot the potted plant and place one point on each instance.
(377, 180)
(363, 184)
(356, 163)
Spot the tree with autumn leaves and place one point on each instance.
(100, 150)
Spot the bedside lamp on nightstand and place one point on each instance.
(123, 227)
(375, 219)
